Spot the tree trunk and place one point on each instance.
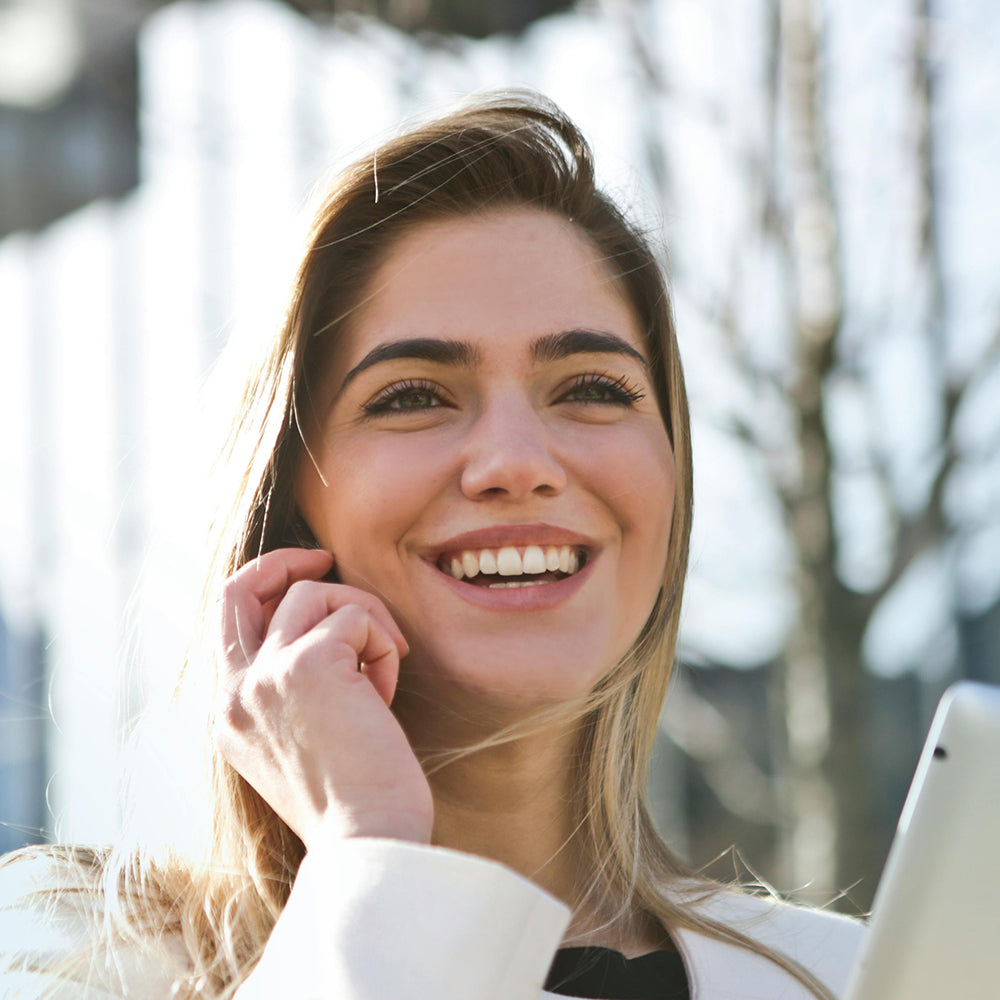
(808, 696)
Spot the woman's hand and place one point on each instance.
(308, 670)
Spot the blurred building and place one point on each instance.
(153, 193)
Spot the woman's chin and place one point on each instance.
(498, 689)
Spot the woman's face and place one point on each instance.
(494, 464)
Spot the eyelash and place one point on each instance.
(386, 401)
(620, 390)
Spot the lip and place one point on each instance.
(534, 598)
(500, 535)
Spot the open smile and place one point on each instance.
(513, 566)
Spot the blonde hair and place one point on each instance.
(511, 150)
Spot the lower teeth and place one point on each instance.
(516, 583)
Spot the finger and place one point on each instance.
(248, 593)
(383, 672)
(307, 604)
(375, 651)
(268, 608)
(379, 660)
(374, 606)
(272, 573)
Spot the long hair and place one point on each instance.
(505, 151)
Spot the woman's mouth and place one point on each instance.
(513, 566)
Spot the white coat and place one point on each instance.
(372, 919)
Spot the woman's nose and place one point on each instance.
(509, 453)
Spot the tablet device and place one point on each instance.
(935, 927)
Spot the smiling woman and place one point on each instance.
(448, 583)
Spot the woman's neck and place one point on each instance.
(514, 803)
(517, 802)
(515, 808)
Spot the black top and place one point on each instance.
(608, 975)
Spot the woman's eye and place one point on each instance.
(405, 397)
(603, 389)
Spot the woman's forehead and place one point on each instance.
(496, 280)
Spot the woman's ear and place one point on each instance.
(300, 535)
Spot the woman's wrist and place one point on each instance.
(412, 826)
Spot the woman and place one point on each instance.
(448, 582)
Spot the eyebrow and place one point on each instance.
(556, 346)
(460, 353)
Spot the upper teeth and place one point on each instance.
(509, 561)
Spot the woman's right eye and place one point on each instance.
(411, 396)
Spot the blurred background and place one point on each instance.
(822, 177)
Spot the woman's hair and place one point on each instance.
(500, 152)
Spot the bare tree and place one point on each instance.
(824, 785)
(831, 798)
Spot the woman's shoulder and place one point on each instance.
(54, 934)
(769, 913)
(824, 942)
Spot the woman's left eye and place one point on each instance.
(595, 388)
(405, 397)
